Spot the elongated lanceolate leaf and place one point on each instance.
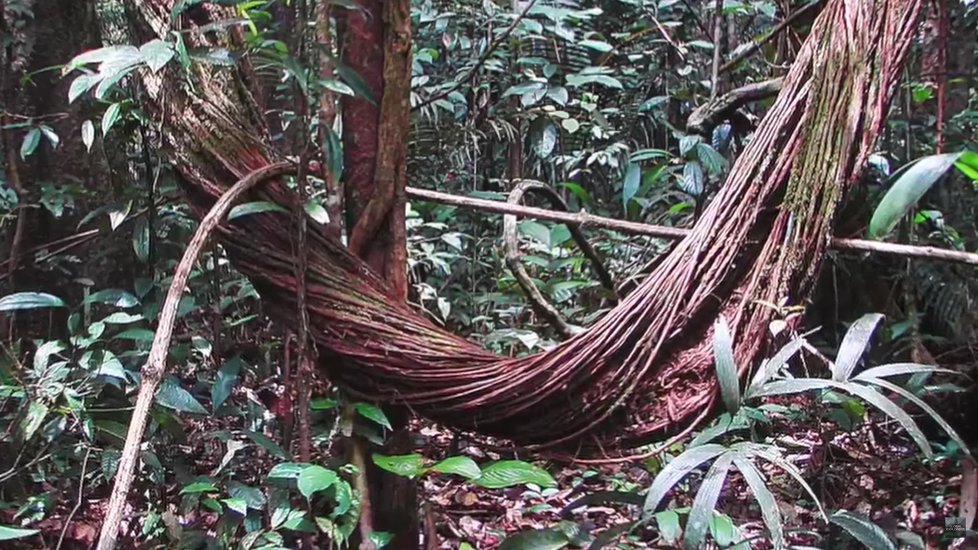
(706, 500)
(726, 366)
(864, 530)
(769, 506)
(676, 470)
(906, 190)
(854, 345)
(29, 300)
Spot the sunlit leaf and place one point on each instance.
(765, 499)
(411, 465)
(315, 478)
(374, 413)
(676, 470)
(906, 190)
(726, 366)
(30, 143)
(853, 346)
(863, 530)
(256, 207)
(172, 396)
(507, 473)
(12, 533)
(458, 465)
(29, 300)
(631, 183)
(705, 502)
(88, 134)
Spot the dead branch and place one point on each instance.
(539, 302)
(584, 220)
(153, 370)
(714, 111)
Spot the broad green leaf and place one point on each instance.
(540, 539)
(108, 83)
(543, 136)
(314, 479)
(136, 335)
(411, 465)
(648, 154)
(907, 189)
(863, 530)
(110, 54)
(29, 300)
(713, 162)
(11, 533)
(380, 539)
(156, 54)
(688, 143)
(705, 502)
(113, 297)
(853, 346)
(336, 86)
(631, 183)
(723, 355)
(676, 470)
(507, 473)
(30, 143)
(693, 179)
(122, 318)
(356, 82)
(237, 505)
(172, 396)
(372, 412)
(536, 231)
(967, 163)
(199, 487)
(256, 207)
(88, 134)
(110, 117)
(765, 499)
(458, 465)
(668, 525)
(82, 84)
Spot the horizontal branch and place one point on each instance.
(585, 220)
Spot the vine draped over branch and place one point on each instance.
(643, 371)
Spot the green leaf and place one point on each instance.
(29, 300)
(910, 185)
(36, 413)
(113, 55)
(536, 231)
(596, 45)
(540, 539)
(51, 136)
(863, 530)
(198, 487)
(110, 117)
(88, 134)
(458, 465)
(675, 471)
(314, 479)
(252, 496)
(30, 143)
(668, 525)
(771, 366)
(122, 318)
(854, 344)
(713, 161)
(336, 86)
(113, 297)
(507, 473)
(724, 531)
(631, 183)
(411, 465)
(900, 369)
(356, 82)
(156, 54)
(172, 396)
(11, 533)
(967, 163)
(317, 212)
(765, 499)
(648, 154)
(380, 539)
(224, 382)
(543, 136)
(726, 366)
(693, 179)
(701, 512)
(256, 207)
(373, 412)
(82, 84)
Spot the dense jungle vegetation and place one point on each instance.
(527, 274)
